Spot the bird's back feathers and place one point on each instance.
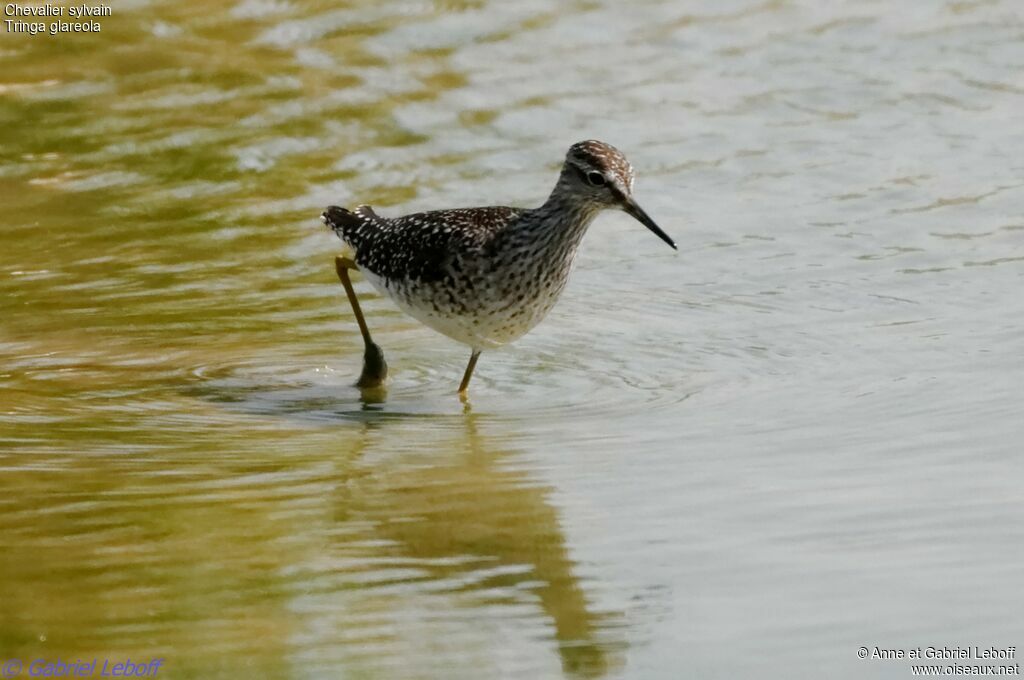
(423, 246)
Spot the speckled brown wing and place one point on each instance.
(422, 247)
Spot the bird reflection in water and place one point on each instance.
(469, 523)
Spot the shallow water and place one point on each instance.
(798, 435)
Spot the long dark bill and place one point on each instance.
(630, 206)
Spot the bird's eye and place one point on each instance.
(595, 178)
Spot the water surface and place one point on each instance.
(798, 435)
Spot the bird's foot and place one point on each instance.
(375, 368)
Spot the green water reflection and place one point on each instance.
(165, 491)
(344, 556)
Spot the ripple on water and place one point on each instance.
(548, 385)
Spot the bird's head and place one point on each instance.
(600, 175)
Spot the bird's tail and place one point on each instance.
(340, 221)
(346, 224)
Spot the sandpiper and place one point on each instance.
(482, 276)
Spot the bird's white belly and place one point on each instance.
(490, 323)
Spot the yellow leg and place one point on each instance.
(375, 369)
(469, 372)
